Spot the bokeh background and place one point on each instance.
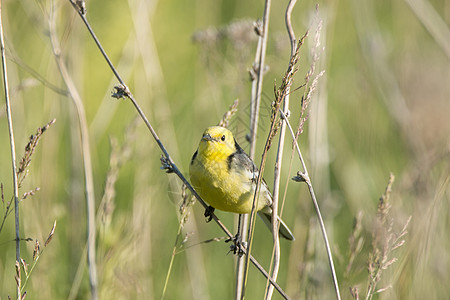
(382, 106)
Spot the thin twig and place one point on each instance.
(85, 152)
(288, 23)
(255, 101)
(253, 213)
(22, 171)
(123, 91)
(260, 64)
(172, 258)
(279, 159)
(303, 176)
(36, 255)
(280, 94)
(384, 242)
(257, 76)
(19, 62)
(13, 149)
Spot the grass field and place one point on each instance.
(381, 107)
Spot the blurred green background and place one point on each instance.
(382, 106)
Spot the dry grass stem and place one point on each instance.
(118, 156)
(30, 193)
(257, 76)
(22, 172)
(304, 176)
(354, 292)
(24, 266)
(276, 253)
(186, 203)
(384, 242)
(256, 72)
(229, 114)
(21, 175)
(50, 236)
(18, 278)
(259, 65)
(37, 252)
(310, 87)
(37, 78)
(355, 241)
(85, 153)
(13, 154)
(280, 93)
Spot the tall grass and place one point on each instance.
(385, 105)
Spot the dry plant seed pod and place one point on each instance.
(50, 236)
(37, 250)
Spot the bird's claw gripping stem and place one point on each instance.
(236, 247)
(209, 213)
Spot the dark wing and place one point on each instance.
(240, 158)
(194, 156)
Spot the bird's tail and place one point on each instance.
(284, 230)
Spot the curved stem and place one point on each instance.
(279, 159)
(254, 124)
(86, 156)
(13, 151)
(305, 177)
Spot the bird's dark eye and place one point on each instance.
(223, 138)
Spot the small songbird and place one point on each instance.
(225, 177)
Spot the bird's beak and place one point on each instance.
(207, 137)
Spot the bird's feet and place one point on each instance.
(208, 213)
(238, 246)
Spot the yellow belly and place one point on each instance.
(224, 190)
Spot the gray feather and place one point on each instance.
(284, 231)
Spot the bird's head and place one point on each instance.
(217, 140)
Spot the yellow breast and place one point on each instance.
(217, 186)
(220, 183)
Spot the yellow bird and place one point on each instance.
(225, 177)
